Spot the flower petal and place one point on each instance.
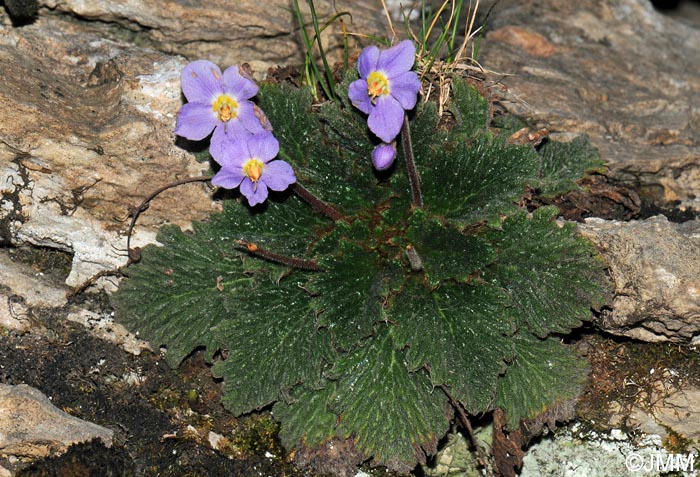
(201, 82)
(405, 89)
(255, 194)
(263, 146)
(228, 178)
(195, 121)
(367, 62)
(386, 118)
(229, 149)
(357, 92)
(237, 85)
(383, 156)
(278, 175)
(247, 118)
(397, 59)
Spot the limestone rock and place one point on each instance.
(620, 72)
(654, 264)
(262, 34)
(87, 133)
(31, 426)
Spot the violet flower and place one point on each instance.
(387, 87)
(383, 156)
(217, 102)
(247, 162)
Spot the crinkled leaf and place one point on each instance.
(468, 182)
(543, 373)
(272, 344)
(444, 251)
(551, 274)
(350, 293)
(346, 124)
(394, 415)
(469, 108)
(459, 333)
(175, 295)
(332, 172)
(286, 227)
(564, 163)
(307, 417)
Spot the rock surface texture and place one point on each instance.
(654, 264)
(260, 33)
(32, 426)
(88, 100)
(620, 72)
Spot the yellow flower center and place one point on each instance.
(377, 85)
(226, 107)
(253, 169)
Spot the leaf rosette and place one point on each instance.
(407, 311)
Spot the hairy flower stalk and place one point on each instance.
(413, 177)
(299, 263)
(323, 207)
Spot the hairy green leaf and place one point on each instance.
(469, 182)
(543, 373)
(336, 172)
(550, 274)
(377, 397)
(307, 417)
(349, 293)
(444, 251)
(469, 108)
(564, 163)
(176, 294)
(459, 333)
(272, 344)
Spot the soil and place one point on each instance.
(161, 417)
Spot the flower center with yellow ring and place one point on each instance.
(377, 85)
(225, 107)
(253, 169)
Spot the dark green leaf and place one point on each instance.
(470, 109)
(394, 415)
(476, 181)
(459, 333)
(272, 343)
(564, 163)
(307, 417)
(350, 293)
(335, 172)
(444, 251)
(550, 273)
(543, 373)
(176, 294)
(286, 227)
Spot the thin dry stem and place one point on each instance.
(388, 19)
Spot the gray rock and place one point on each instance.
(620, 72)
(88, 133)
(654, 264)
(31, 426)
(262, 34)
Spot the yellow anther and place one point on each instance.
(253, 168)
(377, 85)
(225, 107)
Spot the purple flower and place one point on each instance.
(387, 87)
(218, 102)
(248, 162)
(383, 156)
